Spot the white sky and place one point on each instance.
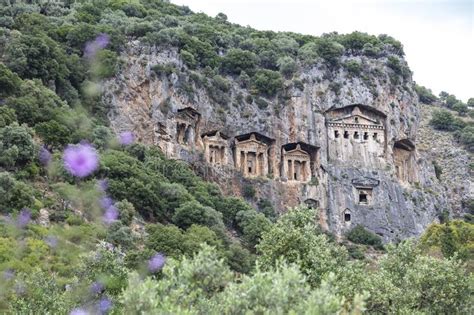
(438, 35)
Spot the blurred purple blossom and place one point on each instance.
(156, 262)
(94, 46)
(51, 240)
(8, 274)
(106, 202)
(103, 184)
(110, 215)
(97, 287)
(104, 305)
(23, 218)
(80, 160)
(79, 311)
(126, 138)
(44, 156)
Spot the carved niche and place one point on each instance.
(356, 135)
(215, 147)
(299, 161)
(405, 161)
(364, 189)
(187, 125)
(252, 154)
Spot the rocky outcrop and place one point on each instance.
(346, 144)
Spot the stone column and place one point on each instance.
(245, 167)
(265, 162)
(237, 157)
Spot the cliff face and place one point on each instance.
(344, 143)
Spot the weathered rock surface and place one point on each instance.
(393, 192)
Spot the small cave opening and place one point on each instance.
(356, 135)
(363, 198)
(346, 134)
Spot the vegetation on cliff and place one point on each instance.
(93, 222)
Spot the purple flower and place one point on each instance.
(8, 274)
(80, 160)
(52, 241)
(23, 218)
(79, 311)
(97, 287)
(106, 202)
(110, 215)
(103, 184)
(93, 47)
(44, 156)
(156, 262)
(104, 305)
(126, 138)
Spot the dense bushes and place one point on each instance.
(14, 194)
(16, 146)
(444, 120)
(360, 235)
(267, 82)
(425, 95)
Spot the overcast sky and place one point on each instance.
(438, 35)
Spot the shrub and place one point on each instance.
(126, 211)
(107, 64)
(166, 239)
(443, 120)
(16, 145)
(425, 95)
(267, 82)
(14, 195)
(287, 66)
(295, 238)
(252, 225)
(466, 137)
(249, 191)
(54, 134)
(120, 235)
(353, 67)
(461, 108)
(193, 212)
(329, 50)
(9, 82)
(237, 60)
(7, 116)
(360, 235)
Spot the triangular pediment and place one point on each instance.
(297, 152)
(365, 182)
(350, 119)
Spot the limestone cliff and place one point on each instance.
(344, 143)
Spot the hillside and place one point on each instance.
(154, 160)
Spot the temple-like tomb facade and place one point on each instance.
(356, 135)
(299, 162)
(215, 147)
(187, 125)
(252, 154)
(405, 161)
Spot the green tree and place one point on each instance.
(54, 134)
(425, 95)
(237, 60)
(295, 237)
(193, 212)
(267, 82)
(7, 116)
(16, 146)
(287, 66)
(9, 82)
(14, 194)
